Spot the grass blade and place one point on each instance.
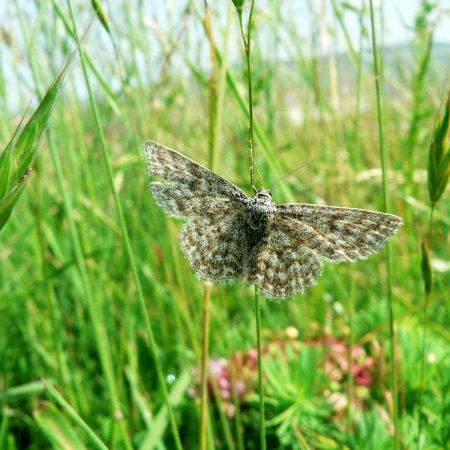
(8, 202)
(18, 156)
(126, 237)
(70, 411)
(383, 160)
(57, 428)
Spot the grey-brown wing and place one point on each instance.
(334, 233)
(187, 188)
(280, 266)
(216, 244)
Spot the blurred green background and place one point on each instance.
(86, 234)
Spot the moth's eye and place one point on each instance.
(270, 193)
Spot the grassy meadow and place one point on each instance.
(102, 321)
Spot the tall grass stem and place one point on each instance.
(101, 339)
(384, 169)
(246, 39)
(262, 420)
(125, 235)
(70, 411)
(424, 337)
(204, 367)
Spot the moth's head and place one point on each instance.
(263, 196)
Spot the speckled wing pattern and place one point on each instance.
(302, 236)
(215, 245)
(188, 189)
(229, 236)
(212, 239)
(337, 234)
(280, 266)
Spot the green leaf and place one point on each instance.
(6, 164)
(5, 171)
(439, 157)
(238, 4)
(57, 428)
(431, 172)
(101, 15)
(17, 158)
(427, 271)
(442, 131)
(8, 202)
(22, 390)
(28, 140)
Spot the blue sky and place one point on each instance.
(401, 12)
(399, 16)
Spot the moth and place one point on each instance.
(230, 236)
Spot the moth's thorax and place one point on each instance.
(258, 217)
(262, 202)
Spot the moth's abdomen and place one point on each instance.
(256, 227)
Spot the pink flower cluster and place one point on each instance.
(339, 359)
(341, 365)
(235, 378)
(231, 379)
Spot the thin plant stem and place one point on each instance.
(223, 417)
(351, 341)
(422, 367)
(250, 130)
(221, 87)
(262, 426)
(247, 47)
(101, 339)
(383, 158)
(424, 339)
(217, 83)
(212, 83)
(212, 98)
(237, 405)
(204, 367)
(125, 235)
(60, 336)
(274, 164)
(70, 411)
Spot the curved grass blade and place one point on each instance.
(57, 428)
(8, 202)
(439, 157)
(17, 158)
(68, 409)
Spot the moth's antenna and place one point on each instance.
(301, 166)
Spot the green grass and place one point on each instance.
(101, 317)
